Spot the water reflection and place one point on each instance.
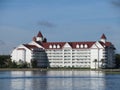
(41, 82)
(20, 84)
(80, 83)
(4, 84)
(58, 80)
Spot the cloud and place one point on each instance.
(116, 3)
(46, 24)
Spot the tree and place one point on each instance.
(102, 60)
(9, 63)
(14, 64)
(3, 60)
(22, 64)
(117, 60)
(95, 62)
(34, 63)
(25, 65)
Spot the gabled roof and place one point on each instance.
(103, 36)
(39, 34)
(30, 46)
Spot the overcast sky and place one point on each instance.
(58, 20)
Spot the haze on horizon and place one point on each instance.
(63, 20)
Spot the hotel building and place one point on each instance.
(95, 54)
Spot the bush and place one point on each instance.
(34, 63)
(4, 61)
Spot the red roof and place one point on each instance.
(46, 45)
(107, 44)
(30, 46)
(61, 44)
(39, 34)
(103, 37)
(20, 49)
(73, 44)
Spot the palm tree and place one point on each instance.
(102, 60)
(95, 62)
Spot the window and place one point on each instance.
(58, 46)
(77, 46)
(54, 46)
(86, 46)
(81, 46)
(50, 46)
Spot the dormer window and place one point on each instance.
(50, 46)
(54, 46)
(77, 46)
(58, 46)
(81, 46)
(86, 46)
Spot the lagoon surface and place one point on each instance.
(58, 80)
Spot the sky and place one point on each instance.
(58, 20)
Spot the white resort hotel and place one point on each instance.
(95, 54)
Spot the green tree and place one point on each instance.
(117, 60)
(9, 63)
(34, 63)
(25, 65)
(95, 62)
(3, 60)
(13, 65)
(22, 64)
(103, 61)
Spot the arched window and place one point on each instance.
(50, 46)
(77, 46)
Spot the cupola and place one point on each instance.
(39, 37)
(103, 38)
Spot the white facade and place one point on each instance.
(66, 54)
(21, 53)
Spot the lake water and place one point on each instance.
(58, 80)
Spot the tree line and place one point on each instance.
(6, 62)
